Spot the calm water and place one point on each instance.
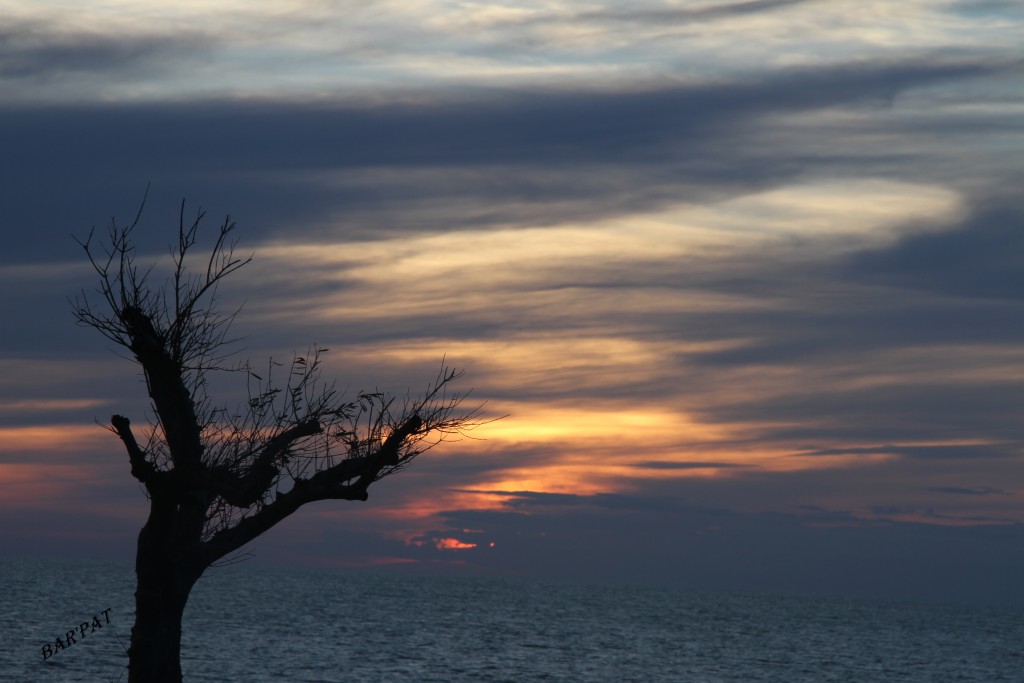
(254, 625)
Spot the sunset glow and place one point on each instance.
(726, 279)
(453, 544)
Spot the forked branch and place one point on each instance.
(234, 474)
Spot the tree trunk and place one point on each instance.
(155, 652)
(165, 574)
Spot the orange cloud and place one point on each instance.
(54, 438)
(452, 544)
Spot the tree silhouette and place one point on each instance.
(216, 478)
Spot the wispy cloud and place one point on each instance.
(40, 53)
(685, 465)
(971, 491)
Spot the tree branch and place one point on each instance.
(142, 469)
(166, 385)
(388, 454)
(246, 490)
(327, 484)
(215, 475)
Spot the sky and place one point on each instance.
(745, 276)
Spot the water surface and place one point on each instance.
(260, 625)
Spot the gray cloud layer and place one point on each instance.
(37, 52)
(513, 156)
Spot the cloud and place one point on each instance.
(452, 544)
(529, 500)
(706, 549)
(663, 388)
(681, 281)
(39, 52)
(980, 257)
(928, 452)
(511, 158)
(971, 491)
(704, 36)
(685, 465)
(505, 33)
(708, 12)
(1002, 8)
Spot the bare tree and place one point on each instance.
(216, 478)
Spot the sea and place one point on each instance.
(259, 624)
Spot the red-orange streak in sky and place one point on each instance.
(452, 544)
(56, 438)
